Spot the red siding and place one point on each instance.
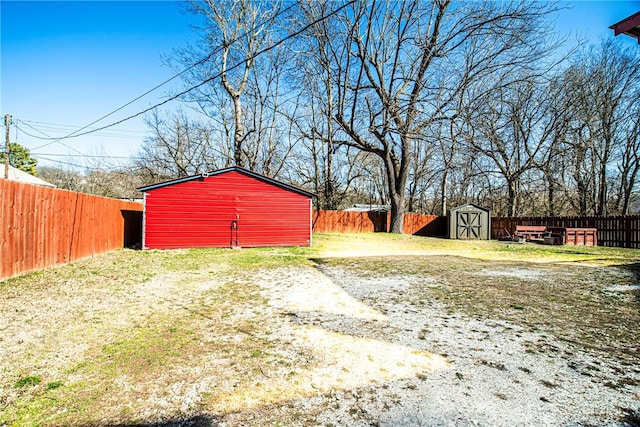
(199, 214)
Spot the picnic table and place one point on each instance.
(530, 232)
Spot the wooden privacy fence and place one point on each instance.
(43, 227)
(424, 225)
(613, 231)
(369, 222)
(349, 222)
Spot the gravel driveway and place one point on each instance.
(398, 361)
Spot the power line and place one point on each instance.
(42, 146)
(53, 140)
(81, 155)
(41, 156)
(97, 156)
(173, 98)
(61, 127)
(75, 134)
(75, 165)
(104, 168)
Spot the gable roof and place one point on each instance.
(223, 171)
(16, 174)
(470, 205)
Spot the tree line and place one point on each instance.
(419, 104)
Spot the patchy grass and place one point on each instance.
(28, 382)
(119, 269)
(570, 301)
(99, 337)
(125, 336)
(119, 376)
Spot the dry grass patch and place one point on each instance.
(130, 336)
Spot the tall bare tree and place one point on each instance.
(603, 98)
(511, 127)
(398, 67)
(316, 102)
(234, 33)
(629, 164)
(269, 143)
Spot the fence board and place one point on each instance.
(424, 225)
(348, 222)
(43, 227)
(369, 222)
(614, 231)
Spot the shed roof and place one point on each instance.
(223, 171)
(469, 205)
(629, 26)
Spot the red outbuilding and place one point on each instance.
(231, 207)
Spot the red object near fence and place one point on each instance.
(43, 227)
(231, 207)
(612, 231)
(581, 236)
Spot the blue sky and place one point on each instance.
(66, 64)
(70, 63)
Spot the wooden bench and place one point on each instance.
(530, 232)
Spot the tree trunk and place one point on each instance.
(329, 185)
(581, 185)
(628, 190)
(551, 196)
(601, 207)
(512, 197)
(581, 188)
(443, 194)
(239, 131)
(397, 214)
(397, 175)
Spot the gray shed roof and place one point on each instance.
(468, 206)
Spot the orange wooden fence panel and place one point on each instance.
(349, 222)
(424, 225)
(369, 222)
(43, 227)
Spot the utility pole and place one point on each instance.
(7, 121)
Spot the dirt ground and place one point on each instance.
(402, 340)
(397, 356)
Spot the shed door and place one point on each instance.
(469, 225)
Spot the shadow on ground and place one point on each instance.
(634, 268)
(196, 421)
